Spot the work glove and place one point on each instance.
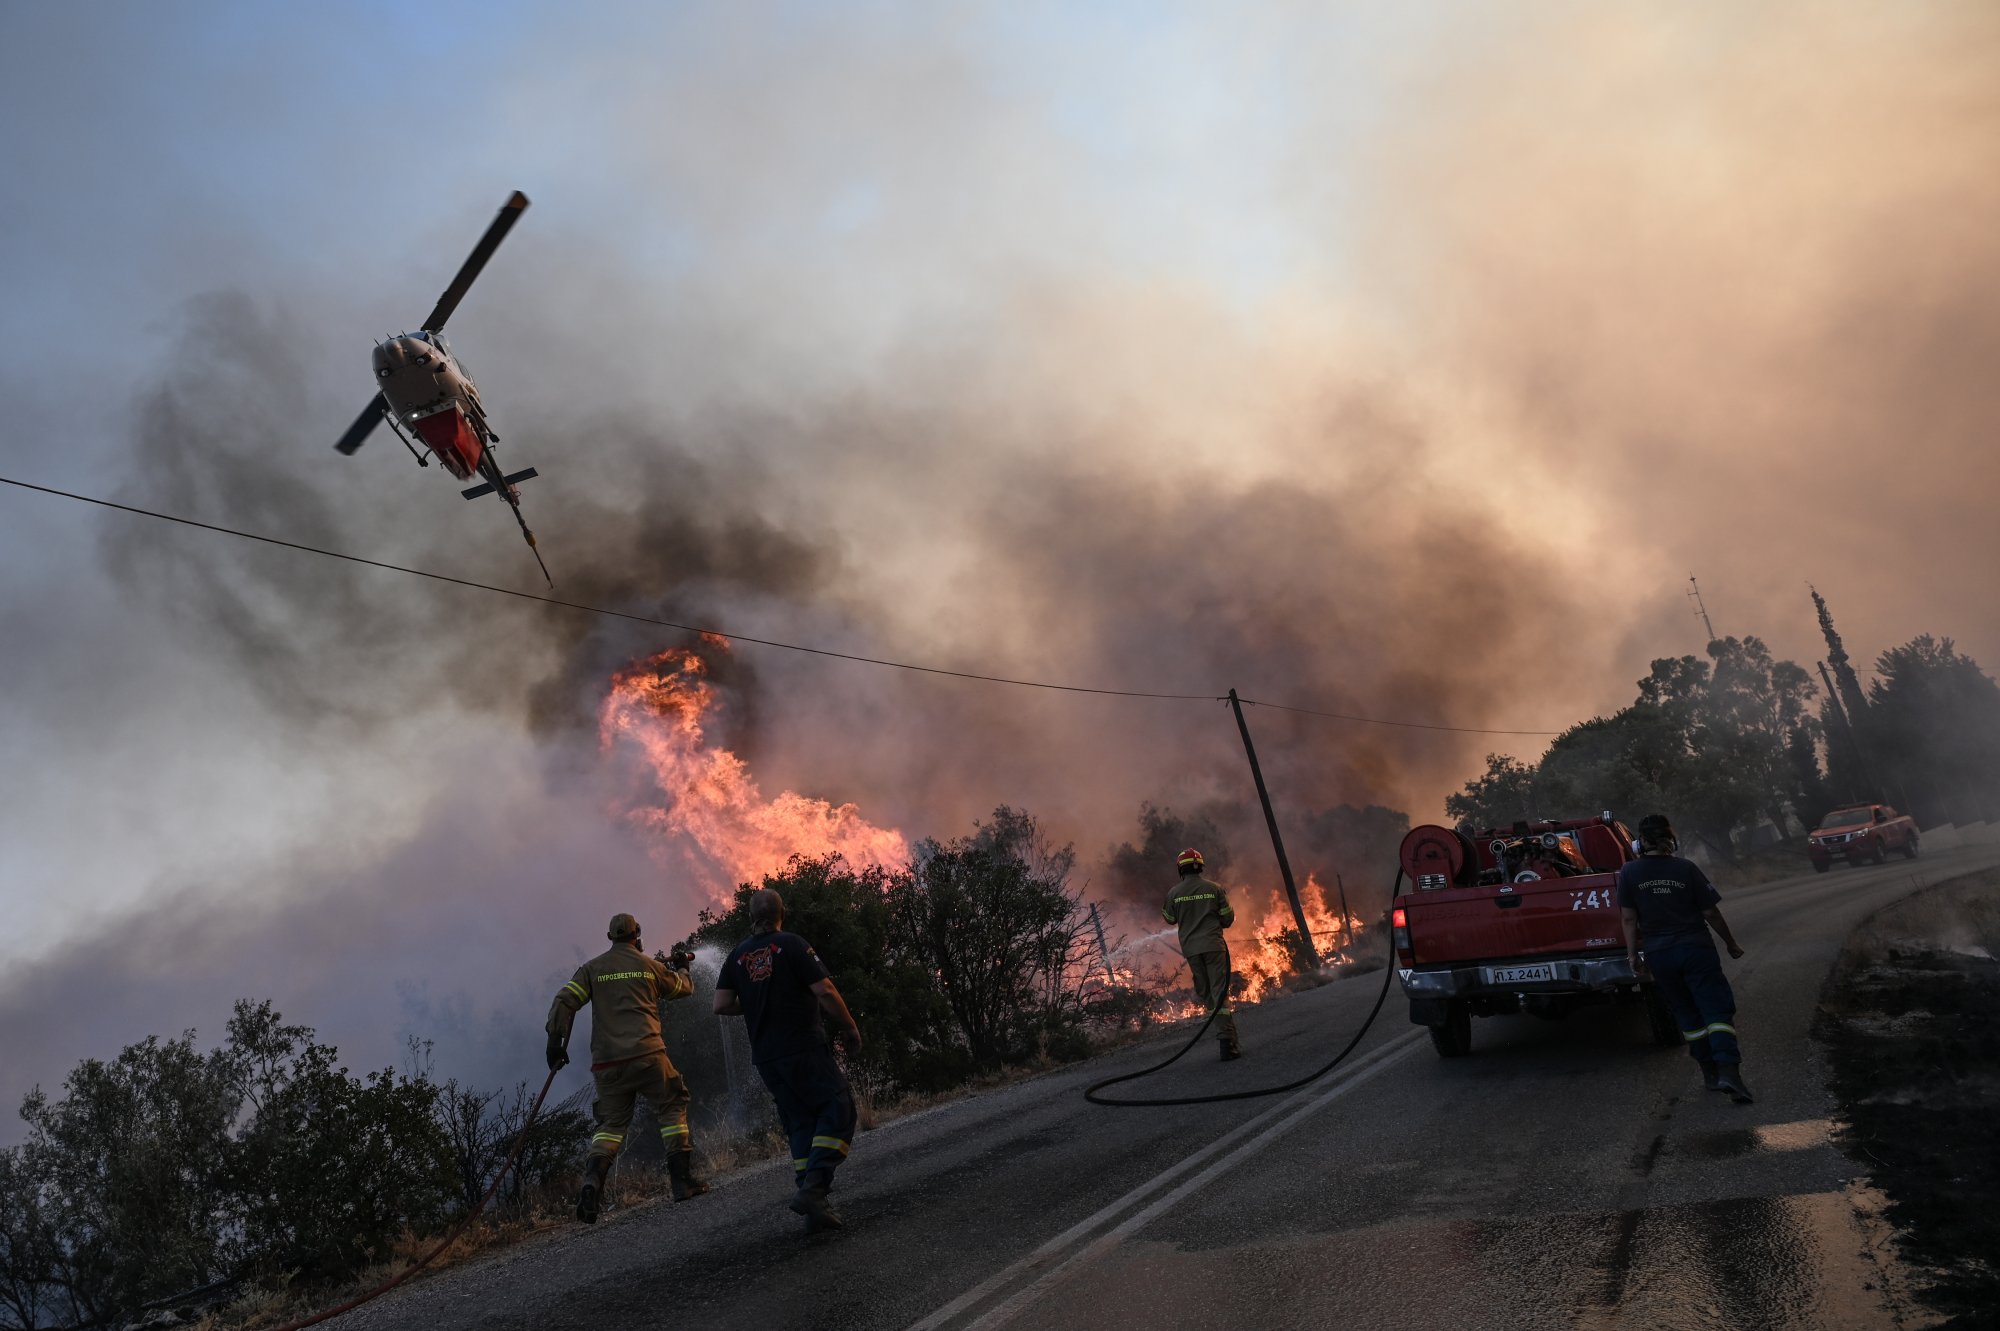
(681, 958)
(558, 1056)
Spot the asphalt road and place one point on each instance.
(1566, 1174)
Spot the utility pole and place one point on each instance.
(1346, 920)
(1308, 958)
(1103, 952)
(1700, 610)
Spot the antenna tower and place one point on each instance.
(1700, 610)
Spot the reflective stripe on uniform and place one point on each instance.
(576, 989)
(799, 1166)
(831, 1144)
(674, 1130)
(608, 1138)
(1713, 1028)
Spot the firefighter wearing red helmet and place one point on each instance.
(1202, 911)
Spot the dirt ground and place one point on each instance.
(1911, 1020)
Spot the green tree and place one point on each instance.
(34, 1281)
(991, 918)
(331, 1168)
(1713, 745)
(845, 913)
(133, 1165)
(1499, 797)
(1753, 713)
(1934, 720)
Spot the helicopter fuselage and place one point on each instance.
(429, 394)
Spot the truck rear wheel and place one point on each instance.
(1660, 1020)
(1454, 1038)
(1910, 847)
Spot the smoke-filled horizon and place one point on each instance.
(1404, 367)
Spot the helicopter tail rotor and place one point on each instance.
(357, 433)
(510, 213)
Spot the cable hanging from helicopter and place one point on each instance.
(423, 389)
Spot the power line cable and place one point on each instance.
(722, 633)
(1378, 721)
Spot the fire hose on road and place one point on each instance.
(1092, 1093)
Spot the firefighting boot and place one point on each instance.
(593, 1185)
(810, 1201)
(1729, 1078)
(680, 1173)
(1710, 1080)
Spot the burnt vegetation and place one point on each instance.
(1911, 1019)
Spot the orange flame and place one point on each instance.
(706, 809)
(708, 801)
(1265, 960)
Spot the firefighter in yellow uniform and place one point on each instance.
(628, 1055)
(1202, 910)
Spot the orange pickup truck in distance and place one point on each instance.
(1520, 920)
(1862, 832)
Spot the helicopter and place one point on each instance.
(423, 389)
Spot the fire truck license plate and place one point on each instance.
(1518, 974)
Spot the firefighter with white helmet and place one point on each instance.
(1202, 910)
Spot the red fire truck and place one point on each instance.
(1523, 919)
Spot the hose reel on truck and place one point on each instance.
(1523, 919)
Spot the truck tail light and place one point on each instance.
(1399, 925)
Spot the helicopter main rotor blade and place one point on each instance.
(510, 213)
(370, 417)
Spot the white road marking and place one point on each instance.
(1049, 1259)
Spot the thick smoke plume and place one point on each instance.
(1609, 295)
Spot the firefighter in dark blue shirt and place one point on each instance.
(1668, 904)
(776, 982)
